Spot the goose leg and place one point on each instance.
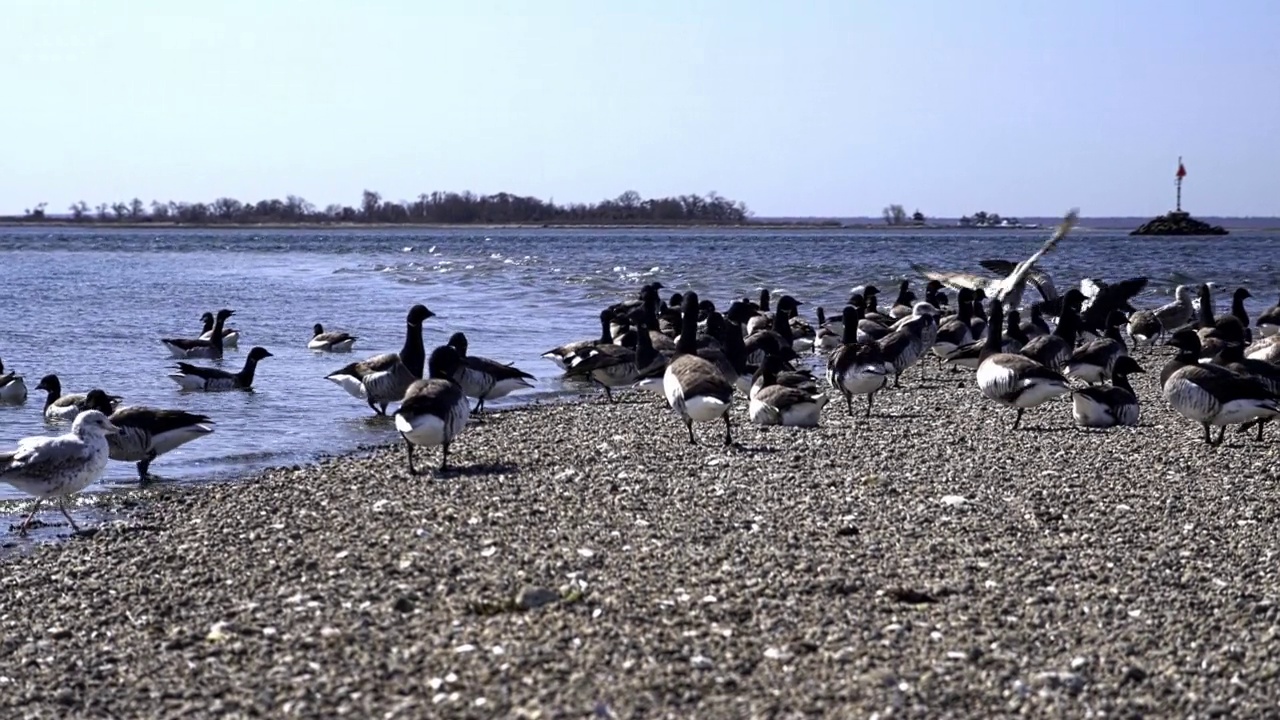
(372, 405)
(67, 515)
(608, 394)
(1208, 438)
(896, 374)
(1261, 424)
(688, 423)
(408, 447)
(1222, 431)
(444, 457)
(848, 400)
(1017, 420)
(144, 467)
(871, 396)
(728, 430)
(31, 515)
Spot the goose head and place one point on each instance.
(50, 383)
(444, 362)
(458, 341)
(1126, 365)
(98, 399)
(223, 314)
(419, 314)
(1241, 294)
(1185, 339)
(258, 354)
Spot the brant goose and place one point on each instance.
(382, 379)
(696, 390)
(207, 379)
(434, 410)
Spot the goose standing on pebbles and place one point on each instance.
(64, 407)
(331, 341)
(434, 410)
(1268, 322)
(230, 338)
(483, 378)
(383, 379)
(59, 466)
(207, 379)
(145, 433)
(1211, 394)
(1014, 380)
(695, 388)
(1103, 407)
(210, 349)
(13, 389)
(774, 404)
(856, 368)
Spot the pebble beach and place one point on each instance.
(583, 560)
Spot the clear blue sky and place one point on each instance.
(802, 107)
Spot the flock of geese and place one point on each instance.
(432, 410)
(697, 357)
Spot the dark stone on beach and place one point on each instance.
(1178, 223)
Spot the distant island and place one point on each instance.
(1178, 222)
(437, 208)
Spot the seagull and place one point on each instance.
(61, 465)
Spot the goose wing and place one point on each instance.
(955, 280)
(1226, 386)
(208, 373)
(499, 371)
(156, 421)
(369, 366)
(1040, 279)
(1016, 278)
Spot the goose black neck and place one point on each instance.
(412, 354)
(217, 331)
(964, 313)
(995, 332)
(1067, 327)
(735, 348)
(782, 323)
(606, 334)
(246, 375)
(1237, 309)
(849, 335)
(688, 342)
(1122, 381)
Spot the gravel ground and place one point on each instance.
(587, 562)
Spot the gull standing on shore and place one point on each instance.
(61, 465)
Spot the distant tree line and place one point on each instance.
(437, 207)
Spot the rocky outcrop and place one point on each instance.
(1178, 223)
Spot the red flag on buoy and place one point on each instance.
(1182, 171)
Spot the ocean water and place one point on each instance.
(90, 305)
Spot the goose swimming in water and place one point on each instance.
(774, 404)
(208, 379)
(856, 368)
(230, 338)
(562, 354)
(331, 341)
(13, 389)
(383, 379)
(695, 388)
(58, 406)
(435, 410)
(613, 366)
(485, 379)
(59, 466)
(210, 349)
(1014, 380)
(145, 433)
(1103, 407)
(1268, 322)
